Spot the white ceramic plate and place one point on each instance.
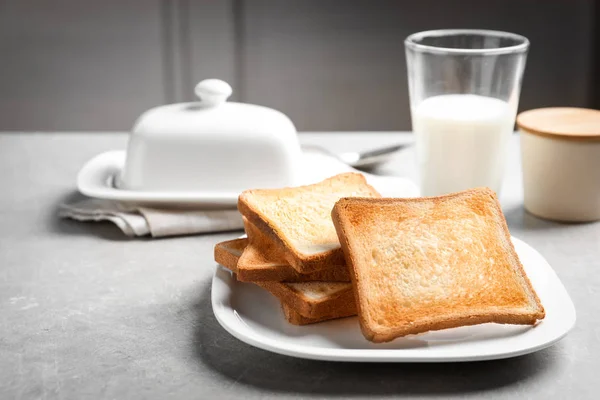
(255, 317)
(96, 179)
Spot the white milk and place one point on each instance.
(461, 142)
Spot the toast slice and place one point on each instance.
(228, 253)
(298, 220)
(432, 263)
(295, 318)
(261, 260)
(313, 300)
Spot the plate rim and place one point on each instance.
(240, 330)
(115, 159)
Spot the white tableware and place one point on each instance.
(560, 151)
(254, 316)
(464, 89)
(212, 146)
(96, 179)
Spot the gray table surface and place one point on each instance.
(87, 313)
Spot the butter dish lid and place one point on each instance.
(568, 123)
(213, 113)
(212, 145)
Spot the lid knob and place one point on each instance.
(213, 92)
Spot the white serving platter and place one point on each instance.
(255, 317)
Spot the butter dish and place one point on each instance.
(211, 145)
(204, 154)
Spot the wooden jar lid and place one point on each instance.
(567, 123)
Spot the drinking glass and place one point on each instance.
(464, 90)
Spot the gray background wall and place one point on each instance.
(329, 64)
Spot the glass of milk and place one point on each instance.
(464, 92)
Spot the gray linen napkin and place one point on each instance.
(142, 221)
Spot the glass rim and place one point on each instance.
(411, 42)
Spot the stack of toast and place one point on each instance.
(404, 266)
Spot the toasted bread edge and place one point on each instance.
(224, 256)
(278, 272)
(535, 313)
(294, 318)
(341, 303)
(301, 262)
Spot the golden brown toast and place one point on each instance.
(262, 260)
(313, 300)
(228, 253)
(432, 263)
(298, 220)
(295, 318)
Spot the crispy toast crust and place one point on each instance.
(303, 263)
(227, 253)
(340, 303)
(262, 260)
(295, 318)
(391, 305)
